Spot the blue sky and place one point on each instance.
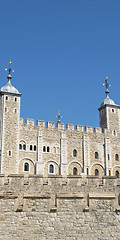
(61, 51)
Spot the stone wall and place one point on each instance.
(72, 208)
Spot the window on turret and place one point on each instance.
(74, 153)
(15, 110)
(6, 98)
(74, 171)
(5, 109)
(51, 168)
(96, 172)
(112, 110)
(117, 174)
(108, 157)
(26, 167)
(116, 157)
(44, 149)
(96, 155)
(15, 99)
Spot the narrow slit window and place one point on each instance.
(44, 149)
(30, 147)
(48, 149)
(35, 147)
(10, 153)
(74, 153)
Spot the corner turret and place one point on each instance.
(109, 112)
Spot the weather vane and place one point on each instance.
(59, 116)
(9, 70)
(106, 84)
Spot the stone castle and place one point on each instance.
(56, 182)
(37, 149)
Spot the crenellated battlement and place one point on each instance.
(61, 126)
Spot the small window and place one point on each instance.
(51, 168)
(10, 153)
(109, 173)
(117, 174)
(96, 155)
(5, 109)
(108, 157)
(54, 150)
(34, 147)
(15, 110)
(74, 153)
(26, 167)
(30, 147)
(116, 157)
(20, 146)
(15, 99)
(114, 133)
(87, 171)
(74, 171)
(48, 149)
(6, 98)
(24, 147)
(44, 149)
(112, 110)
(96, 172)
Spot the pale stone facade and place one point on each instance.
(49, 150)
(48, 187)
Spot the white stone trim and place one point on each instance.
(75, 162)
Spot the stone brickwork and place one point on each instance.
(34, 207)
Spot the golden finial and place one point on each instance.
(59, 116)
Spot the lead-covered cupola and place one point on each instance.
(109, 112)
(8, 88)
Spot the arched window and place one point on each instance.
(109, 173)
(116, 157)
(96, 155)
(44, 149)
(51, 168)
(24, 147)
(74, 171)
(20, 146)
(96, 172)
(26, 167)
(117, 174)
(48, 149)
(74, 153)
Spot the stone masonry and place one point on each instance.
(58, 182)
